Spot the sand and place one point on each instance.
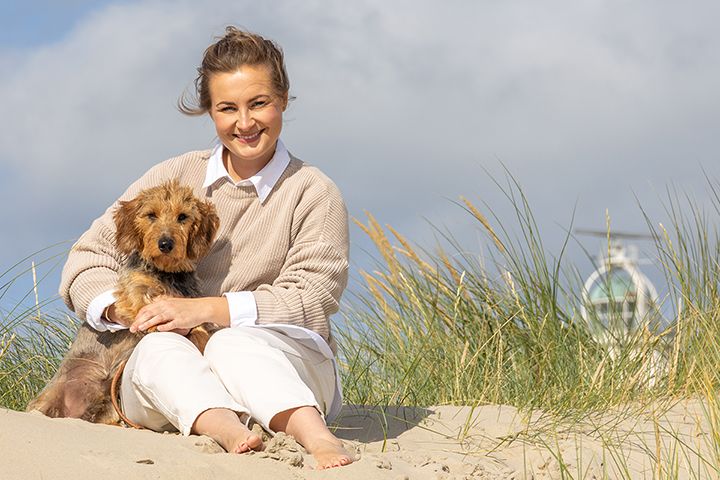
(488, 442)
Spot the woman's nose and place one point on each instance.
(244, 120)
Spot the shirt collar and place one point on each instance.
(263, 181)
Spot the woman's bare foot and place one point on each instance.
(244, 443)
(309, 429)
(224, 426)
(329, 453)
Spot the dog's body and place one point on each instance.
(163, 231)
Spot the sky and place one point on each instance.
(590, 105)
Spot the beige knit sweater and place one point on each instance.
(291, 251)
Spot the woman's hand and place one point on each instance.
(181, 314)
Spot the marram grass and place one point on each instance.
(32, 341)
(440, 326)
(30, 355)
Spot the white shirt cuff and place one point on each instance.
(243, 309)
(96, 309)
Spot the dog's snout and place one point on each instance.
(166, 244)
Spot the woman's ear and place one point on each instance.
(127, 236)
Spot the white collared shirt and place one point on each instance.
(263, 181)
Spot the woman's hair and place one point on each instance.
(234, 50)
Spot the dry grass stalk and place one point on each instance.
(484, 221)
(375, 232)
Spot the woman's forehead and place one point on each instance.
(248, 81)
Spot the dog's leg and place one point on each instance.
(199, 336)
(51, 400)
(81, 386)
(72, 391)
(134, 291)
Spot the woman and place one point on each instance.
(273, 276)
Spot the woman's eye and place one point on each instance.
(227, 109)
(258, 104)
(182, 217)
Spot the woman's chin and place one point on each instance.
(260, 151)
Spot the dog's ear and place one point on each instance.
(203, 232)
(127, 237)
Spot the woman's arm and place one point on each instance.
(308, 289)
(181, 314)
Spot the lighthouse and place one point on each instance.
(617, 298)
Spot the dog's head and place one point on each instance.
(167, 226)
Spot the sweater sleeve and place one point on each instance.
(93, 261)
(308, 289)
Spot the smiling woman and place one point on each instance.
(248, 118)
(243, 85)
(272, 278)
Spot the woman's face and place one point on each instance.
(247, 113)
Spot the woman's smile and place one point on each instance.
(249, 137)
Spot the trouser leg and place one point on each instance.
(167, 384)
(269, 372)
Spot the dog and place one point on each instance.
(163, 232)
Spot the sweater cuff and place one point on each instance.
(95, 311)
(242, 307)
(82, 289)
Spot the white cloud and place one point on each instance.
(401, 104)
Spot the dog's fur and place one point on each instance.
(163, 231)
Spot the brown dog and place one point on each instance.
(163, 231)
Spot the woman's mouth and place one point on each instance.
(249, 138)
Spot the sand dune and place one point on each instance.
(488, 442)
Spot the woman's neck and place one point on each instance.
(242, 170)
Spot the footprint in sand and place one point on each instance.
(208, 445)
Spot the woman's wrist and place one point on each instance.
(221, 311)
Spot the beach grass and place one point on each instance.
(34, 332)
(438, 326)
(443, 327)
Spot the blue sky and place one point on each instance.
(406, 105)
(29, 24)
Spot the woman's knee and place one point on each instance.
(230, 338)
(155, 353)
(159, 343)
(238, 343)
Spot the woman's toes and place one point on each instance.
(331, 455)
(252, 442)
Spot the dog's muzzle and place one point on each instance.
(166, 244)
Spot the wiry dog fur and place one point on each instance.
(163, 231)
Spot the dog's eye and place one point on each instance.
(151, 216)
(182, 217)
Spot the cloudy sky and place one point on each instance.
(407, 105)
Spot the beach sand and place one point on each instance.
(487, 442)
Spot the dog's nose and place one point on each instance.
(166, 244)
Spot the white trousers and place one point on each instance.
(168, 383)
